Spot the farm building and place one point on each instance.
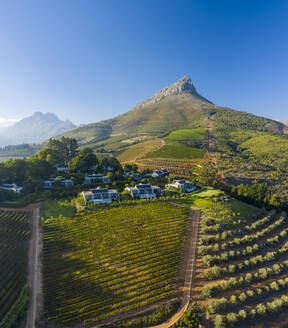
(92, 178)
(144, 191)
(186, 186)
(100, 195)
(12, 187)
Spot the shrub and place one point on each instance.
(248, 277)
(232, 318)
(274, 286)
(233, 299)
(261, 309)
(250, 293)
(242, 314)
(242, 297)
(252, 313)
(219, 322)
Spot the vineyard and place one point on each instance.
(102, 264)
(14, 241)
(242, 269)
(181, 168)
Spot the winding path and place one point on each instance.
(187, 290)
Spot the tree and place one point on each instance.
(53, 156)
(14, 170)
(130, 167)
(84, 161)
(111, 162)
(66, 148)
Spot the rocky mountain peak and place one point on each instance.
(183, 85)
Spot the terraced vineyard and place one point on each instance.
(110, 262)
(242, 270)
(14, 245)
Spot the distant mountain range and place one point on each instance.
(33, 129)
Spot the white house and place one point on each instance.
(62, 168)
(186, 186)
(12, 187)
(160, 173)
(92, 178)
(100, 195)
(48, 184)
(144, 191)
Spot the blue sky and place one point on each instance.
(91, 60)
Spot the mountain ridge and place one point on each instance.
(174, 107)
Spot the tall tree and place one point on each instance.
(84, 161)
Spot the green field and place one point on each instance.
(187, 134)
(103, 263)
(52, 208)
(14, 239)
(174, 149)
(138, 150)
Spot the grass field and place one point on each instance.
(104, 263)
(187, 134)
(52, 208)
(176, 150)
(14, 241)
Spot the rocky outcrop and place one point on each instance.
(184, 85)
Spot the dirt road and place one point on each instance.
(195, 218)
(33, 266)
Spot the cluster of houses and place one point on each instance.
(138, 176)
(140, 191)
(105, 195)
(89, 179)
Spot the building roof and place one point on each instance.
(143, 186)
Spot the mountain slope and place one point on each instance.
(178, 106)
(33, 129)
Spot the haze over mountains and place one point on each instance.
(33, 129)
